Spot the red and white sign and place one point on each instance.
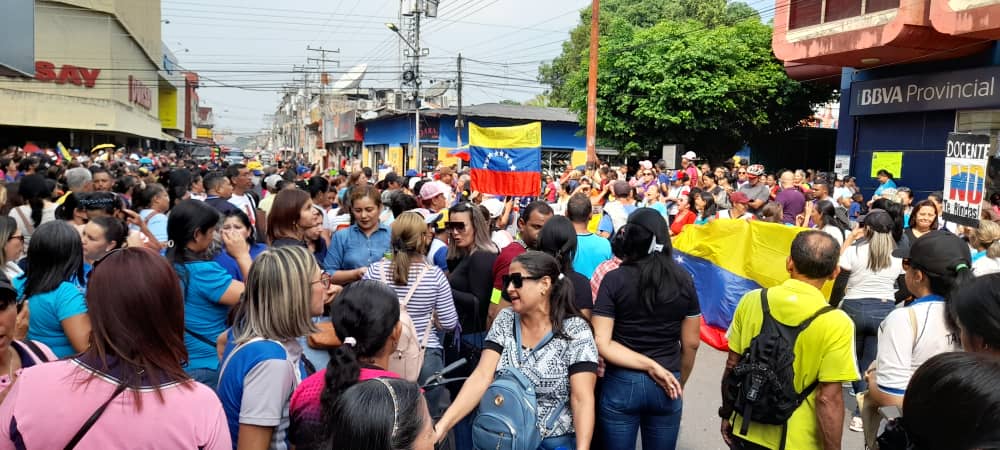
(67, 73)
(139, 94)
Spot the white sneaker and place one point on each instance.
(856, 424)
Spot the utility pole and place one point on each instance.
(411, 72)
(592, 83)
(323, 82)
(416, 82)
(459, 125)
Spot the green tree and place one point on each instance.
(539, 100)
(637, 13)
(712, 89)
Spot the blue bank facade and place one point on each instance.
(911, 109)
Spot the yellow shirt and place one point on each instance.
(824, 351)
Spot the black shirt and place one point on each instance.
(582, 296)
(656, 334)
(471, 280)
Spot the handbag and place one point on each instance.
(93, 418)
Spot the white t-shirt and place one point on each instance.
(899, 355)
(728, 214)
(676, 192)
(836, 233)
(22, 215)
(986, 266)
(246, 205)
(841, 192)
(864, 283)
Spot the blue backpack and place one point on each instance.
(509, 409)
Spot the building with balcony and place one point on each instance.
(909, 71)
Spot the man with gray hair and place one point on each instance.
(79, 179)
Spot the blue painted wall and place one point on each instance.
(920, 136)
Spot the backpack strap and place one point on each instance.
(94, 417)
(913, 326)
(35, 350)
(406, 300)
(517, 338)
(27, 223)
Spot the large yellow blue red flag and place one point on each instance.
(729, 257)
(63, 152)
(506, 160)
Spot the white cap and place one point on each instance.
(495, 207)
(690, 156)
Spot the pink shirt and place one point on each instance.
(306, 411)
(50, 402)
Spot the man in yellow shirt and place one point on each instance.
(824, 351)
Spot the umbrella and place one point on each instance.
(102, 146)
(30, 147)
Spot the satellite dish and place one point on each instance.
(437, 89)
(350, 81)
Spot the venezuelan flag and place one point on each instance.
(63, 152)
(727, 258)
(506, 160)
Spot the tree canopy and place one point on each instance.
(694, 72)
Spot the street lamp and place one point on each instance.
(392, 27)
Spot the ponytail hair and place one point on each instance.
(364, 315)
(407, 243)
(558, 238)
(643, 242)
(948, 286)
(561, 306)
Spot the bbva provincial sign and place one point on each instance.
(974, 88)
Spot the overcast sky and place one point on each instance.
(252, 46)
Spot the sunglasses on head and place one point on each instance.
(517, 279)
(106, 255)
(455, 226)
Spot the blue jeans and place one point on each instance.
(208, 377)
(631, 400)
(867, 314)
(564, 442)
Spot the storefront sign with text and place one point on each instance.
(139, 94)
(67, 73)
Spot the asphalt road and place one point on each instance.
(700, 422)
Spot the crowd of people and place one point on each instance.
(154, 302)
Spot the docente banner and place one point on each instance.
(965, 177)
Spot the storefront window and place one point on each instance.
(805, 13)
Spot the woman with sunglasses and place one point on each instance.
(471, 254)
(262, 362)
(354, 248)
(50, 285)
(646, 324)
(13, 248)
(209, 291)
(131, 378)
(562, 356)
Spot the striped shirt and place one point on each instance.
(433, 295)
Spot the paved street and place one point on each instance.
(700, 425)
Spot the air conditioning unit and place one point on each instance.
(397, 101)
(366, 105)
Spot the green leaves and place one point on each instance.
(710, 87)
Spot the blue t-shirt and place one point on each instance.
(231, 266)
(157, 224)
(660, 207)
(591, 251)
(203, 284)
(351, 249)
(889, 184)
(48, 310)
(256, 385)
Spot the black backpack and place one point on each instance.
(761, 386)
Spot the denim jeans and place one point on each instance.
(630, 401)
(564, 442)
(208, 377)
(867, 314)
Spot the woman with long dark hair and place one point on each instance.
(823, 216)
(38, 208)
(291, 215)
(923, 220)
(558, 238)
(382, 414)
(561, 354)
(976, 309)
(704, 206)
(49, 285)
(209, 291)
(471, 254)
(646, 323)
(133, 368)
(365, 318)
